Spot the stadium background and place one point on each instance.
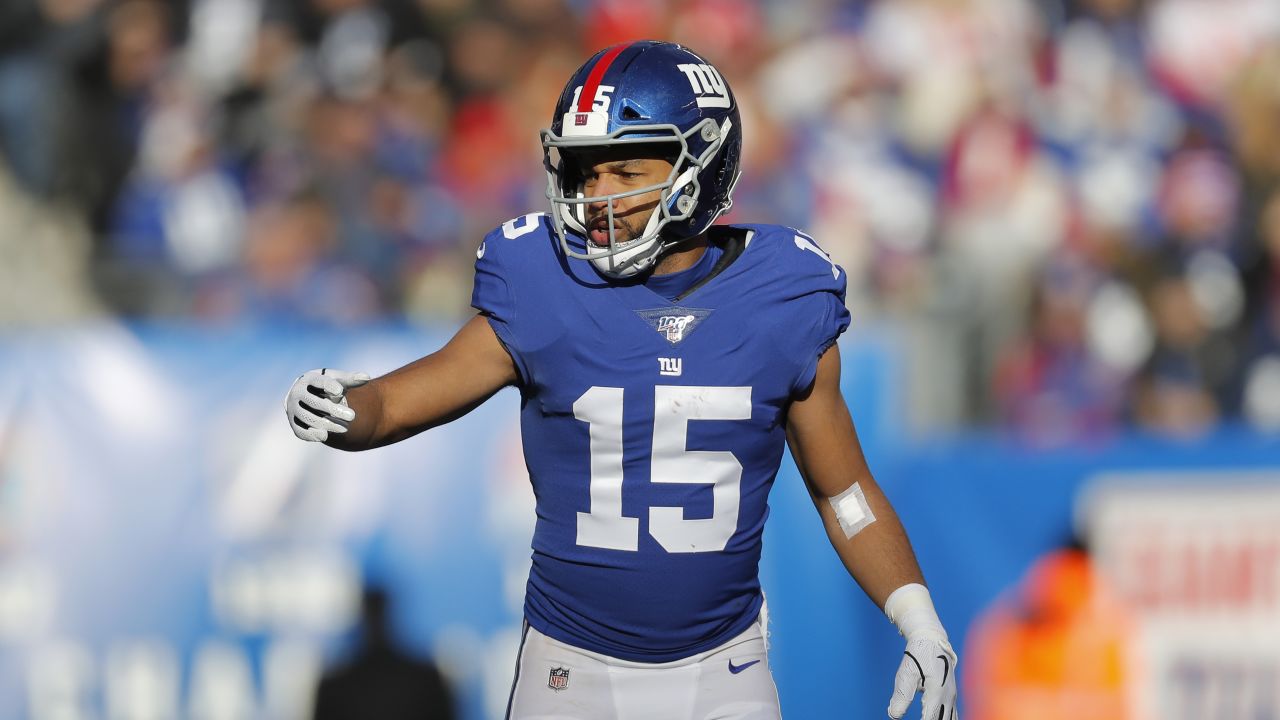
(1061, 224)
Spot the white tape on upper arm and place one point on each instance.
(852, 511)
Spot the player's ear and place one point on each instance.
(575, 163)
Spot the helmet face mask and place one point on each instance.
(652, 107)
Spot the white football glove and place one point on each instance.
(317, 405)
(929, 663)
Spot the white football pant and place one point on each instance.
(555, 681)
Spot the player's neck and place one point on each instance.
(682, 256)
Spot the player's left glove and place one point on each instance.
(317, 404)
(929, 663)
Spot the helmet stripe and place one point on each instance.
(588, 96)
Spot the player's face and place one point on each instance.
(610, 175)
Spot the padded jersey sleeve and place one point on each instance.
(493, 294)
(819, 312)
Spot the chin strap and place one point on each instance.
(645, 259)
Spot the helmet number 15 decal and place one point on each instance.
(600, 103)
(604, 526)
(707, 84)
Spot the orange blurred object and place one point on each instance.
(1056, 648)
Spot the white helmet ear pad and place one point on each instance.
(574, 217)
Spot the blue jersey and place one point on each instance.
(653, 429)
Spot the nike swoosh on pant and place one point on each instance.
(735, 669)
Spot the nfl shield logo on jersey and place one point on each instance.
(674, 323)
(558, 679)
(673, 326)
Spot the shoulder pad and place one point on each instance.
(805, 254)
(525, 226)
(796, 258)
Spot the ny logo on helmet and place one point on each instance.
(707, 84)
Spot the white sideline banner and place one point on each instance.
(1196, 559)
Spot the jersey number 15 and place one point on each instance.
(674, 406)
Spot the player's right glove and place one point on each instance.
(317, 405)
(928, 664)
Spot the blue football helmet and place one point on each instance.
(655, 94)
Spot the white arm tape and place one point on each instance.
(852, 511)
(911, 609)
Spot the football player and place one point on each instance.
(662, 362)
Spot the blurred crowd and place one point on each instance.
(1067, 210)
